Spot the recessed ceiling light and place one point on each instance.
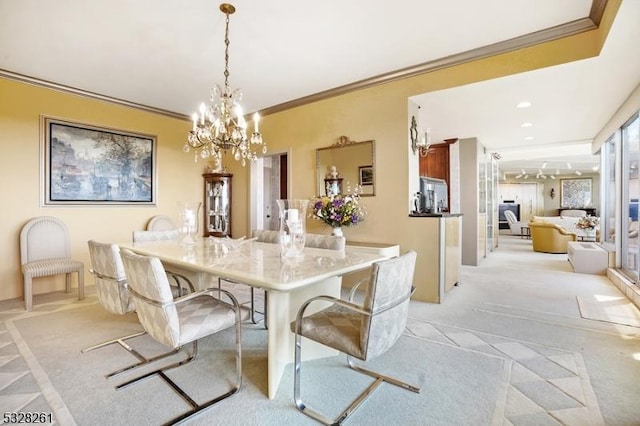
(526, 125)
(528, 138)
(523, 104)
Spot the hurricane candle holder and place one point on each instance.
(292, 226)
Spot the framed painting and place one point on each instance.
(87, 165)
(366, 175)
(575, 192)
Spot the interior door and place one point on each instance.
(269, 182)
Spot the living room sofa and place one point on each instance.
(549, 237)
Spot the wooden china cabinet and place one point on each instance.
(217, 204)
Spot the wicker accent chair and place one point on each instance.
(45, 250)
(108, 270)
(178, 322)
(359, 331)
(161, 223)
(549, 237)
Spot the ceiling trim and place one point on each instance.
(549, 34)
(73, 90)
(528, 40)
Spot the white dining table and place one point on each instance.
(290, 282)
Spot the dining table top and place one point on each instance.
(257, 263)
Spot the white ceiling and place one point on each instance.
(168, 54)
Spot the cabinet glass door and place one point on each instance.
(217, 205)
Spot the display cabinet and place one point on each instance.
(217, 204)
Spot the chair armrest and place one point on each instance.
(352, 293)
(207, 292)
(177, 277)
(337, 301)
(348, 305)
(186, 298)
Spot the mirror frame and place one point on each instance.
(344, 142)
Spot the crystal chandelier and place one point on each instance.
(220, 126)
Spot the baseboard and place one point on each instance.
(625, 285)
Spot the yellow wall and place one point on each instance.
(378, 113)
(20, 108)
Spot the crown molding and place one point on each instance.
(549, 34)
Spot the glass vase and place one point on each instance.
(292, 226)
(188, 224)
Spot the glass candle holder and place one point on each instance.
(188, 221)
(292, 226)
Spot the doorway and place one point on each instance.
(269, 181)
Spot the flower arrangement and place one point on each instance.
(338, 210)
(587, 222)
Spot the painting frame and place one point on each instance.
(575, 193)
(84, 164)
(365, 175)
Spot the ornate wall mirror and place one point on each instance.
(346, 164)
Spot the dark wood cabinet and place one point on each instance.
(436, 163)
(217, 204)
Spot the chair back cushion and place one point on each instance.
(168, 235)
(42, 238)
(329, 242)
(391, 282)
(161, 223)
(510, 216)
(146, 276)
(106, 264)
(266, 236)
(573, 213)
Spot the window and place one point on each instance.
(630, 138)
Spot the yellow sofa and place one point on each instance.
(549, 237)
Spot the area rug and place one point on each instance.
(465, 377)
(613, 309)
(46, 372)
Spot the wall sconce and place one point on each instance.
(552, 193)
(419, 144)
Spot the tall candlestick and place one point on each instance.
(256, 120)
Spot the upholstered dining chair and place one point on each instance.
(360, 331)
(113, 296)
(178, 322)
(164, 235)
(328, 242)
(167, 235)
(45, 250)
(161, 222)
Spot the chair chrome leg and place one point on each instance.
(121, 341)
(382, 377)
(355, 404)
(197, 408)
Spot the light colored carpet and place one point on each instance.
(617, 310)
(507, 347)
(74, 387)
